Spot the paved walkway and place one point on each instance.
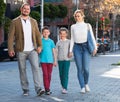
(104, 83)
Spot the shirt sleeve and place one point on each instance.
(72, 40)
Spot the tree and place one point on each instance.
(2, 11)
(117, 21)
(54, 11)
(6, 27)
(62, 11)
(35, 15)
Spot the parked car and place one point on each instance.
(4, 52)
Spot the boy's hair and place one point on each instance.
(45, 28)
(63, 29)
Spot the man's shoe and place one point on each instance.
(82, 90)
(40, 92)
(25, 92)
(87, 89)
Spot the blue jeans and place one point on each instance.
(32, 56)
(82, 60)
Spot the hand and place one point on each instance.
(94, 52)
(70, 54)
(54, 64)
(39, 49)
(11, 53)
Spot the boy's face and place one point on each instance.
(63, 34)
(46, 33)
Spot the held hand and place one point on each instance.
(54, 64)
(39, 49)
(70, 54)
(12, 53)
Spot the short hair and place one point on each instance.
(63, 29)
(79, 11)
(45, 28)
(24, 5)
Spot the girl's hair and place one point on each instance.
(45, 28)
(63, 29)
(79, 11)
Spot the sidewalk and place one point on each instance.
(104, 83)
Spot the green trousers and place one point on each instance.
(64, 73)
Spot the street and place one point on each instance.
(104, 82)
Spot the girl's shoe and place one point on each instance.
(87, 89)
(64, 91)
(82, 90)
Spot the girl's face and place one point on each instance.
(63, 35)
(78, 17)
(46, 33)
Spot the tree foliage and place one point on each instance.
(62, 11)
(2, 11)
(35, 15)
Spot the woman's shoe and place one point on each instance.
(87, 89)
(82, 90)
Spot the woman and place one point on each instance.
(80, 49)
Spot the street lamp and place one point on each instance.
(42, 14)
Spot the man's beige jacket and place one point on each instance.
(16, 35)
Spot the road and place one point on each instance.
(104, 82)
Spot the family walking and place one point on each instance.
(29, 44)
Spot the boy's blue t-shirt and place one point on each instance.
(46, 55)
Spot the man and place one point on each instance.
(25, 33)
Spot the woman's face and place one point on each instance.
(78, 17)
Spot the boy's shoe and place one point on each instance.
(25, 92)
(87, 89)
(40, 92)
(48, 92)
(82, 90)
(64, 91)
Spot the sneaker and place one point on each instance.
(25, 92)
(87, 89)
(82, 90)
(48, 92)
(40, 92)
(64, 91)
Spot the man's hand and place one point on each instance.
(11, 53)
(39, 49)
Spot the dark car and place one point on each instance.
(4, 52)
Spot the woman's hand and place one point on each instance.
(94, 52)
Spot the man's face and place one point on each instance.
(25, 10)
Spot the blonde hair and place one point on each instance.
(79, 11)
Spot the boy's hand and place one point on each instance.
(39, 49)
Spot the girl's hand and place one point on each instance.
(54, 64)
(70, 54)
